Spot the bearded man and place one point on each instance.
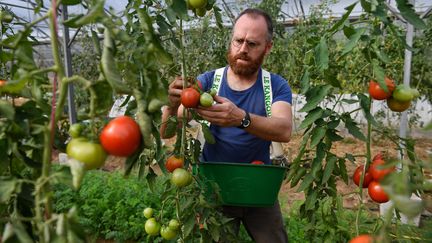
(240, 123)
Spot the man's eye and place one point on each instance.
(251, 44)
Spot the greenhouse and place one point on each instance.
(215, 121)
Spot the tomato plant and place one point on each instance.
(396, 105)
(91, 154)
(206, 99)
(403, 93)
(181, 177)
(378, 93)
(173, 162)
(365, 238)
(376, 170)
(152, 227)
(357, 175)
(121, 136)
(377, 193)
(190, 98)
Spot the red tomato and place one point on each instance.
(378, 156)
(357, 174)
(377, 171)
(376, 92)
(257, 162)
(362, 239)
(2, 82)
(121, 136)
(396, 105)
(190, 98)
(173, 163)
(377, 193)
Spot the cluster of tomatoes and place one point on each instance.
(199, 7)
(398, 97)
(372, 178)
(120, 137)
(153, 227)
(180, 177)
(193, 96)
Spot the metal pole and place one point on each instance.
(68, 67)
(406, 79)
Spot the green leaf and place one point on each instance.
(180, 8)
(314, 96)
(365, 104)
(379, 74)
(336, 27)
(305, 81)
(94, 12)
(352, 127)
(7, 110)
(311, 199)
(7, 187)
(318, 134)
(329, 167)
(218, 16)
(311, 117)
(109, 66)
(321, 53)
(208, 136)
(306, 182)
(408, 12)
(353, 40)
(333, 136)
(343, 170)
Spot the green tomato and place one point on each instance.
(148, 212)
(5, 16)
(167, 233)
(181, 177)
(402, 93)
(75, 130)
(152, 227)
(197, 3)
(174, 224)
(206, 99)
(91, 154)
(415, 92)
(213, 92)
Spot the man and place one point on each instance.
(238, 120)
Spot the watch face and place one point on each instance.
(246, 123)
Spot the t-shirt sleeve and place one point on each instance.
(206, 79)
(281, 89)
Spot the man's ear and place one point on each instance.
(268, 47)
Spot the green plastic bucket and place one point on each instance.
(243, 184)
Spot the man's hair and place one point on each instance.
(255, 13)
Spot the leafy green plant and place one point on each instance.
(110, 205)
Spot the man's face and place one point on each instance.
(248, 46)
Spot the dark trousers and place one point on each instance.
(263, 224)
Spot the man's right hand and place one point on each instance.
(174, 93)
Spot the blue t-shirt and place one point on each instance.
(235, 144)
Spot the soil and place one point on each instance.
(348, 145)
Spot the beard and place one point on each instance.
(246, 70)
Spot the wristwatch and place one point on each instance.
(246, 121)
